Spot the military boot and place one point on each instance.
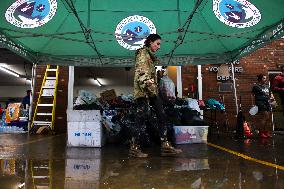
(135, 151)
(168, 150)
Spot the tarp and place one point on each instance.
(98, 32)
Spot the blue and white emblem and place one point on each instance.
(236, 13)
(31, 13)
(131, 31)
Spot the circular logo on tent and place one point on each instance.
(31, 13)
(131, 31)
(236, 13)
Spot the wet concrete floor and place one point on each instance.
(44, 162)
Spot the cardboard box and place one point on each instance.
(85, 134)
(191, 134)
(108, 94)
(84, 116)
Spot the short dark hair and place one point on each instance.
(151, 38)
(29, 91)
(260, 76)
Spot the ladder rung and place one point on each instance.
(51, 78)
(40, 177)
(41, 167)
(44, 114)
(47, 95)
(48, 87)
(45, 105)
(51, 70)
(42, 123)
(42, 187)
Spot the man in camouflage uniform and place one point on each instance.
(145, 92)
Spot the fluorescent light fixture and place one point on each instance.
(98, 82)
(28, 80)
(9, 71)
(3, 64)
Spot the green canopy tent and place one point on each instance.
(101, 32)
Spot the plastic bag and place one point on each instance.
(253, 110)
(85, 97)
(167, 88)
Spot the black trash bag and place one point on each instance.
(240, 125)
(191, 117)
(180, 102)
(173, 114)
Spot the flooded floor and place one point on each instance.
(44, 162)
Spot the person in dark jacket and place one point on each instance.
(262, 96)
(26, 100)
(146, 92)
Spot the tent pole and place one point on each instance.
(234, 88)
(199, 80)
(33, 80)
(70, 88)
(179, 82)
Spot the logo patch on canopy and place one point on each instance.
(131, 31)
(31, 13)
(236, 13)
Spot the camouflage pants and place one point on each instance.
(143, 113)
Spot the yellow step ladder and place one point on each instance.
(44, 112)
(41, 174)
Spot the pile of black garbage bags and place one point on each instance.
(119, 120)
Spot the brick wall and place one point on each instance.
(60, 125)
(263, 60)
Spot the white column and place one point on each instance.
(199, 80)
(33, 79)
(179, 82)
(70, 88)
(235, 89)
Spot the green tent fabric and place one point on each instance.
(82, 32)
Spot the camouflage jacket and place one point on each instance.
(145, 72)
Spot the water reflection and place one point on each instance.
(95, 168)
(83, 167)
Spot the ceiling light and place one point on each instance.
(9, 71)
(3, 64)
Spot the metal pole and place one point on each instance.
(199, 80)
(33, 80)
(70, 88)
(234, 88)
(179, 82)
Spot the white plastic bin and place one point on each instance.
(85, 134)
(84, 116)
(191, 134)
